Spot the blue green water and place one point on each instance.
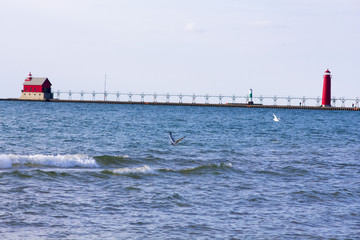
(99, 171)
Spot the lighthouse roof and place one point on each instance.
(327, 71)
(36, 81)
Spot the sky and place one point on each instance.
(276, 47)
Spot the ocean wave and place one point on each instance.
(108, 160)
(146, 170)
(203, 169)
(64, 161)
(124, 171)
(24, 174)
(207, 167)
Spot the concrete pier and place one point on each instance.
(234, 105)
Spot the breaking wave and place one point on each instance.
(146, 170)
(65, 161)
(120, 171)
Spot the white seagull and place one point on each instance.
(276, 119)
(173, 141)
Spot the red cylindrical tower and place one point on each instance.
(326, 95)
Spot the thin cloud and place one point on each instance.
(192, 27)
(189, 27)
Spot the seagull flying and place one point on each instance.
(276, 119)
(173, 141)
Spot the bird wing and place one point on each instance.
(177, 141)
(171, 138)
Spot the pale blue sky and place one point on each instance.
(277, 47)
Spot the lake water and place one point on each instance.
(99, 171)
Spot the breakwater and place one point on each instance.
(235, 105)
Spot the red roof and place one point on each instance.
(36, 81)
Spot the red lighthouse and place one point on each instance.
(326, 95)
(36, 88)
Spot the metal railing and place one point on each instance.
(202, 98)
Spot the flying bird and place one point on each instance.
(173, 141)
(276, 119)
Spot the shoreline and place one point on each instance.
(238, 105)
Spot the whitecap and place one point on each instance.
(65, 161)
(143, 169)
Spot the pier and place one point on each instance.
(201, 98)
(39, 89)
(231, 105)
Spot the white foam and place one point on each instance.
(66, 161)
(228, 164)
(143, 169)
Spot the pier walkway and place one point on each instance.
(234, 105)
